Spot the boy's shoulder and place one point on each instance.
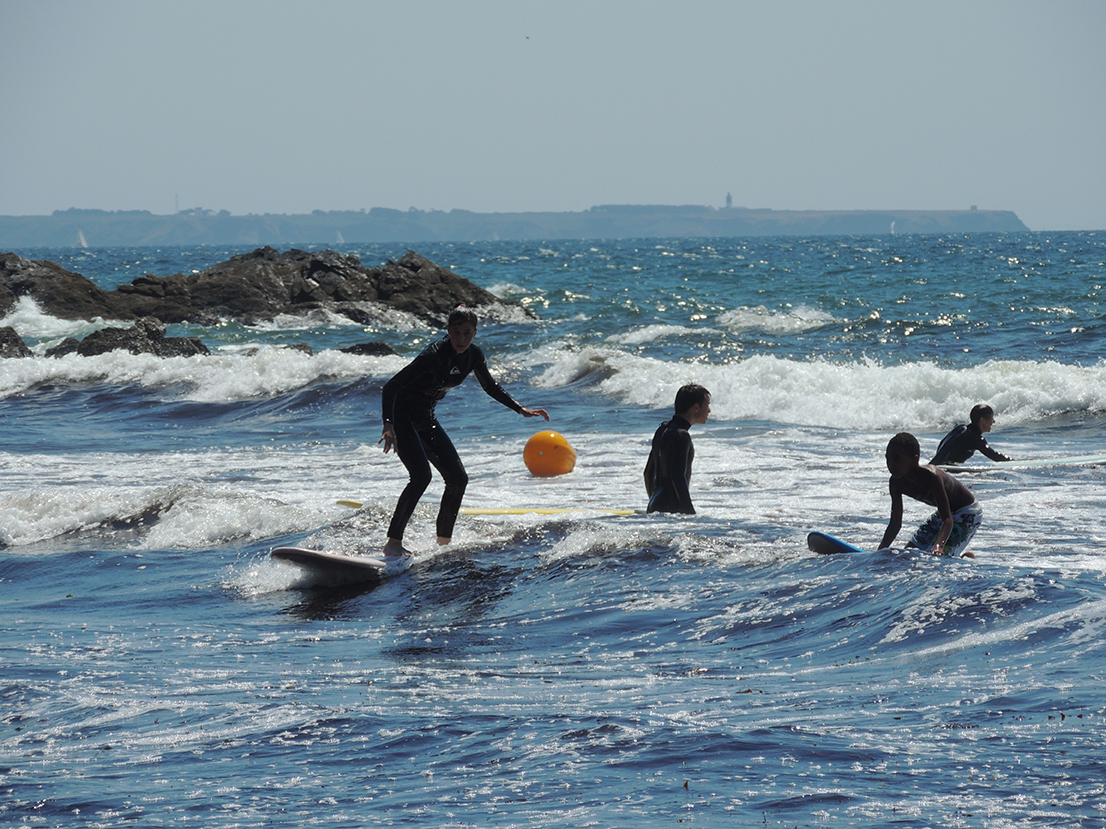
(920, 480)
(931, 474)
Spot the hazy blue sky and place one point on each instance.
(287, 107)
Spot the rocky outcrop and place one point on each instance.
(147, 336)
(257, 286)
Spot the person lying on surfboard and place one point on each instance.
(668, 470)
(965, 440)
(412, 429)
(946, 532)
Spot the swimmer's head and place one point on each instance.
(691, 395)
(982, 417)
(460, 315)
(903, 453)
(462, 328)
(693, 403)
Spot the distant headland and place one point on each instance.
(198, 226)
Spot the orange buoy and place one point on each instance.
(547, 454)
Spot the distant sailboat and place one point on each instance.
(892, 228)
(340, 240)
(81, 240)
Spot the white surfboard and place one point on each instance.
(332, 567)
(1000, 466)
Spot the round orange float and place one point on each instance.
(547, 454)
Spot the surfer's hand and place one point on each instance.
(534, 413)
(388, 438)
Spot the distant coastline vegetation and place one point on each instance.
(200, 226)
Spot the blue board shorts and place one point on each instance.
(964, 524)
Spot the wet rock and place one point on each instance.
(369, 350)
(264, 284)
(258, 286)
(67, 346)
(58, 292)
(147, 336)
(11, 344)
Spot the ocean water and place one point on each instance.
(584, 668)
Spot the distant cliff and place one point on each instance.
(101, 228)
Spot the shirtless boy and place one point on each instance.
(949, 530)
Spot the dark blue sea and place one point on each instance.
(581, 668)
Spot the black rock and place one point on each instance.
(261, 285)
(12, 345)
(146, 337)
(370, 350)
(60, 293)
(69, 345)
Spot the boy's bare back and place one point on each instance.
(924, 482)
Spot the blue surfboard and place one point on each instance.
(826, 544)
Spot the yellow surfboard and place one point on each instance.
(513, 510)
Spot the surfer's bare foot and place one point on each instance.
(394, 547)
(442, 541)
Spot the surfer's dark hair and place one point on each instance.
(980, 411)
(690, 395)
(905, 443)
(462, 314)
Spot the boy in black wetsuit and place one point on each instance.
(411, 428)
(668, 470)
(963, 441)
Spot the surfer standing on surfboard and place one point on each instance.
(946, 532)
(412, 429)
(668, 470)
(965, 440)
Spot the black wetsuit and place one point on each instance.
(408, 401)
(963, 442)
(668, 470)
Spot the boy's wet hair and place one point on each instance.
(462, 314)
(980, 411)
(904, 443)
(690, 395)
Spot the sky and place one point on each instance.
(280, 106)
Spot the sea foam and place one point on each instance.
(862, 394)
